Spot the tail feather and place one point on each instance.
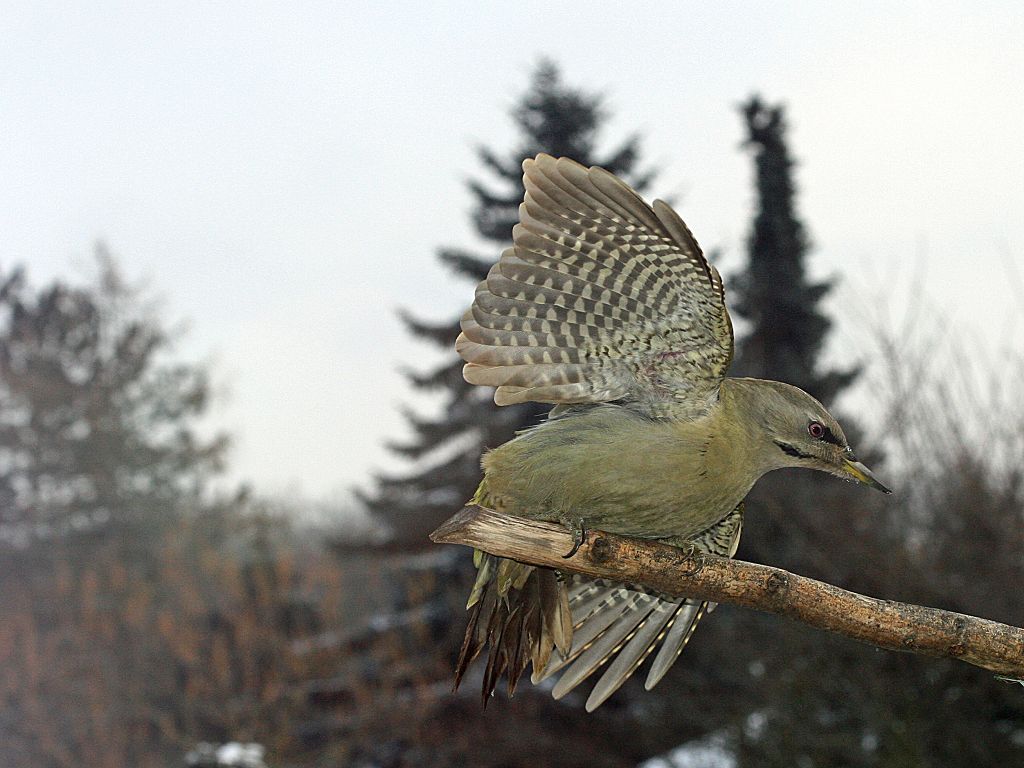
(497, 659)
(556, 615)
(523, 640)
(485, 569)
(477, 631)
(521, 613)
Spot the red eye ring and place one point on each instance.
(816, 430)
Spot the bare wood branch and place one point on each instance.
(663, 568)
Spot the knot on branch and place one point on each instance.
(959, 648)
(777, 585)
(600, 550)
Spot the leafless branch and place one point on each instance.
(669, 570)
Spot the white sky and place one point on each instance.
(281, 174)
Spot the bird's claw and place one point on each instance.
(579, 536)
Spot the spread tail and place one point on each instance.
(521, 613)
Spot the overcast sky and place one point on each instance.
(281, 174)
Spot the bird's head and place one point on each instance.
(803, 434)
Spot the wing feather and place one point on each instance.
(621, 625)
(602, 297)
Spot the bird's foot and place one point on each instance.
(689, 556)
(689, 549)
(579, 535)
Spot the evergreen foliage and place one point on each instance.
(788, 327)
(97, 426)
(551, 117)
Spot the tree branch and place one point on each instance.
(669, 570)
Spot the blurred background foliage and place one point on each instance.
(147, 607)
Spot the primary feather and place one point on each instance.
(602, 297)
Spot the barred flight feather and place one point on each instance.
(601, 297)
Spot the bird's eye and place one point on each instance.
(816, 430)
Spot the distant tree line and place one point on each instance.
(142, 610)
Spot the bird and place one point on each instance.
(606, 308)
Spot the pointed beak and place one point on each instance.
(861, 474)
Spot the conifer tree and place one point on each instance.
(97, 425)
(788, 328)
(551, 117)
(797, 522)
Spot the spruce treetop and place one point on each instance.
(773, 292)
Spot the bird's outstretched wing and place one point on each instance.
(624, 624)
(602, 297)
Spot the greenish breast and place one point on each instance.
(620, 472)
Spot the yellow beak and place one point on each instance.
(862, 474)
